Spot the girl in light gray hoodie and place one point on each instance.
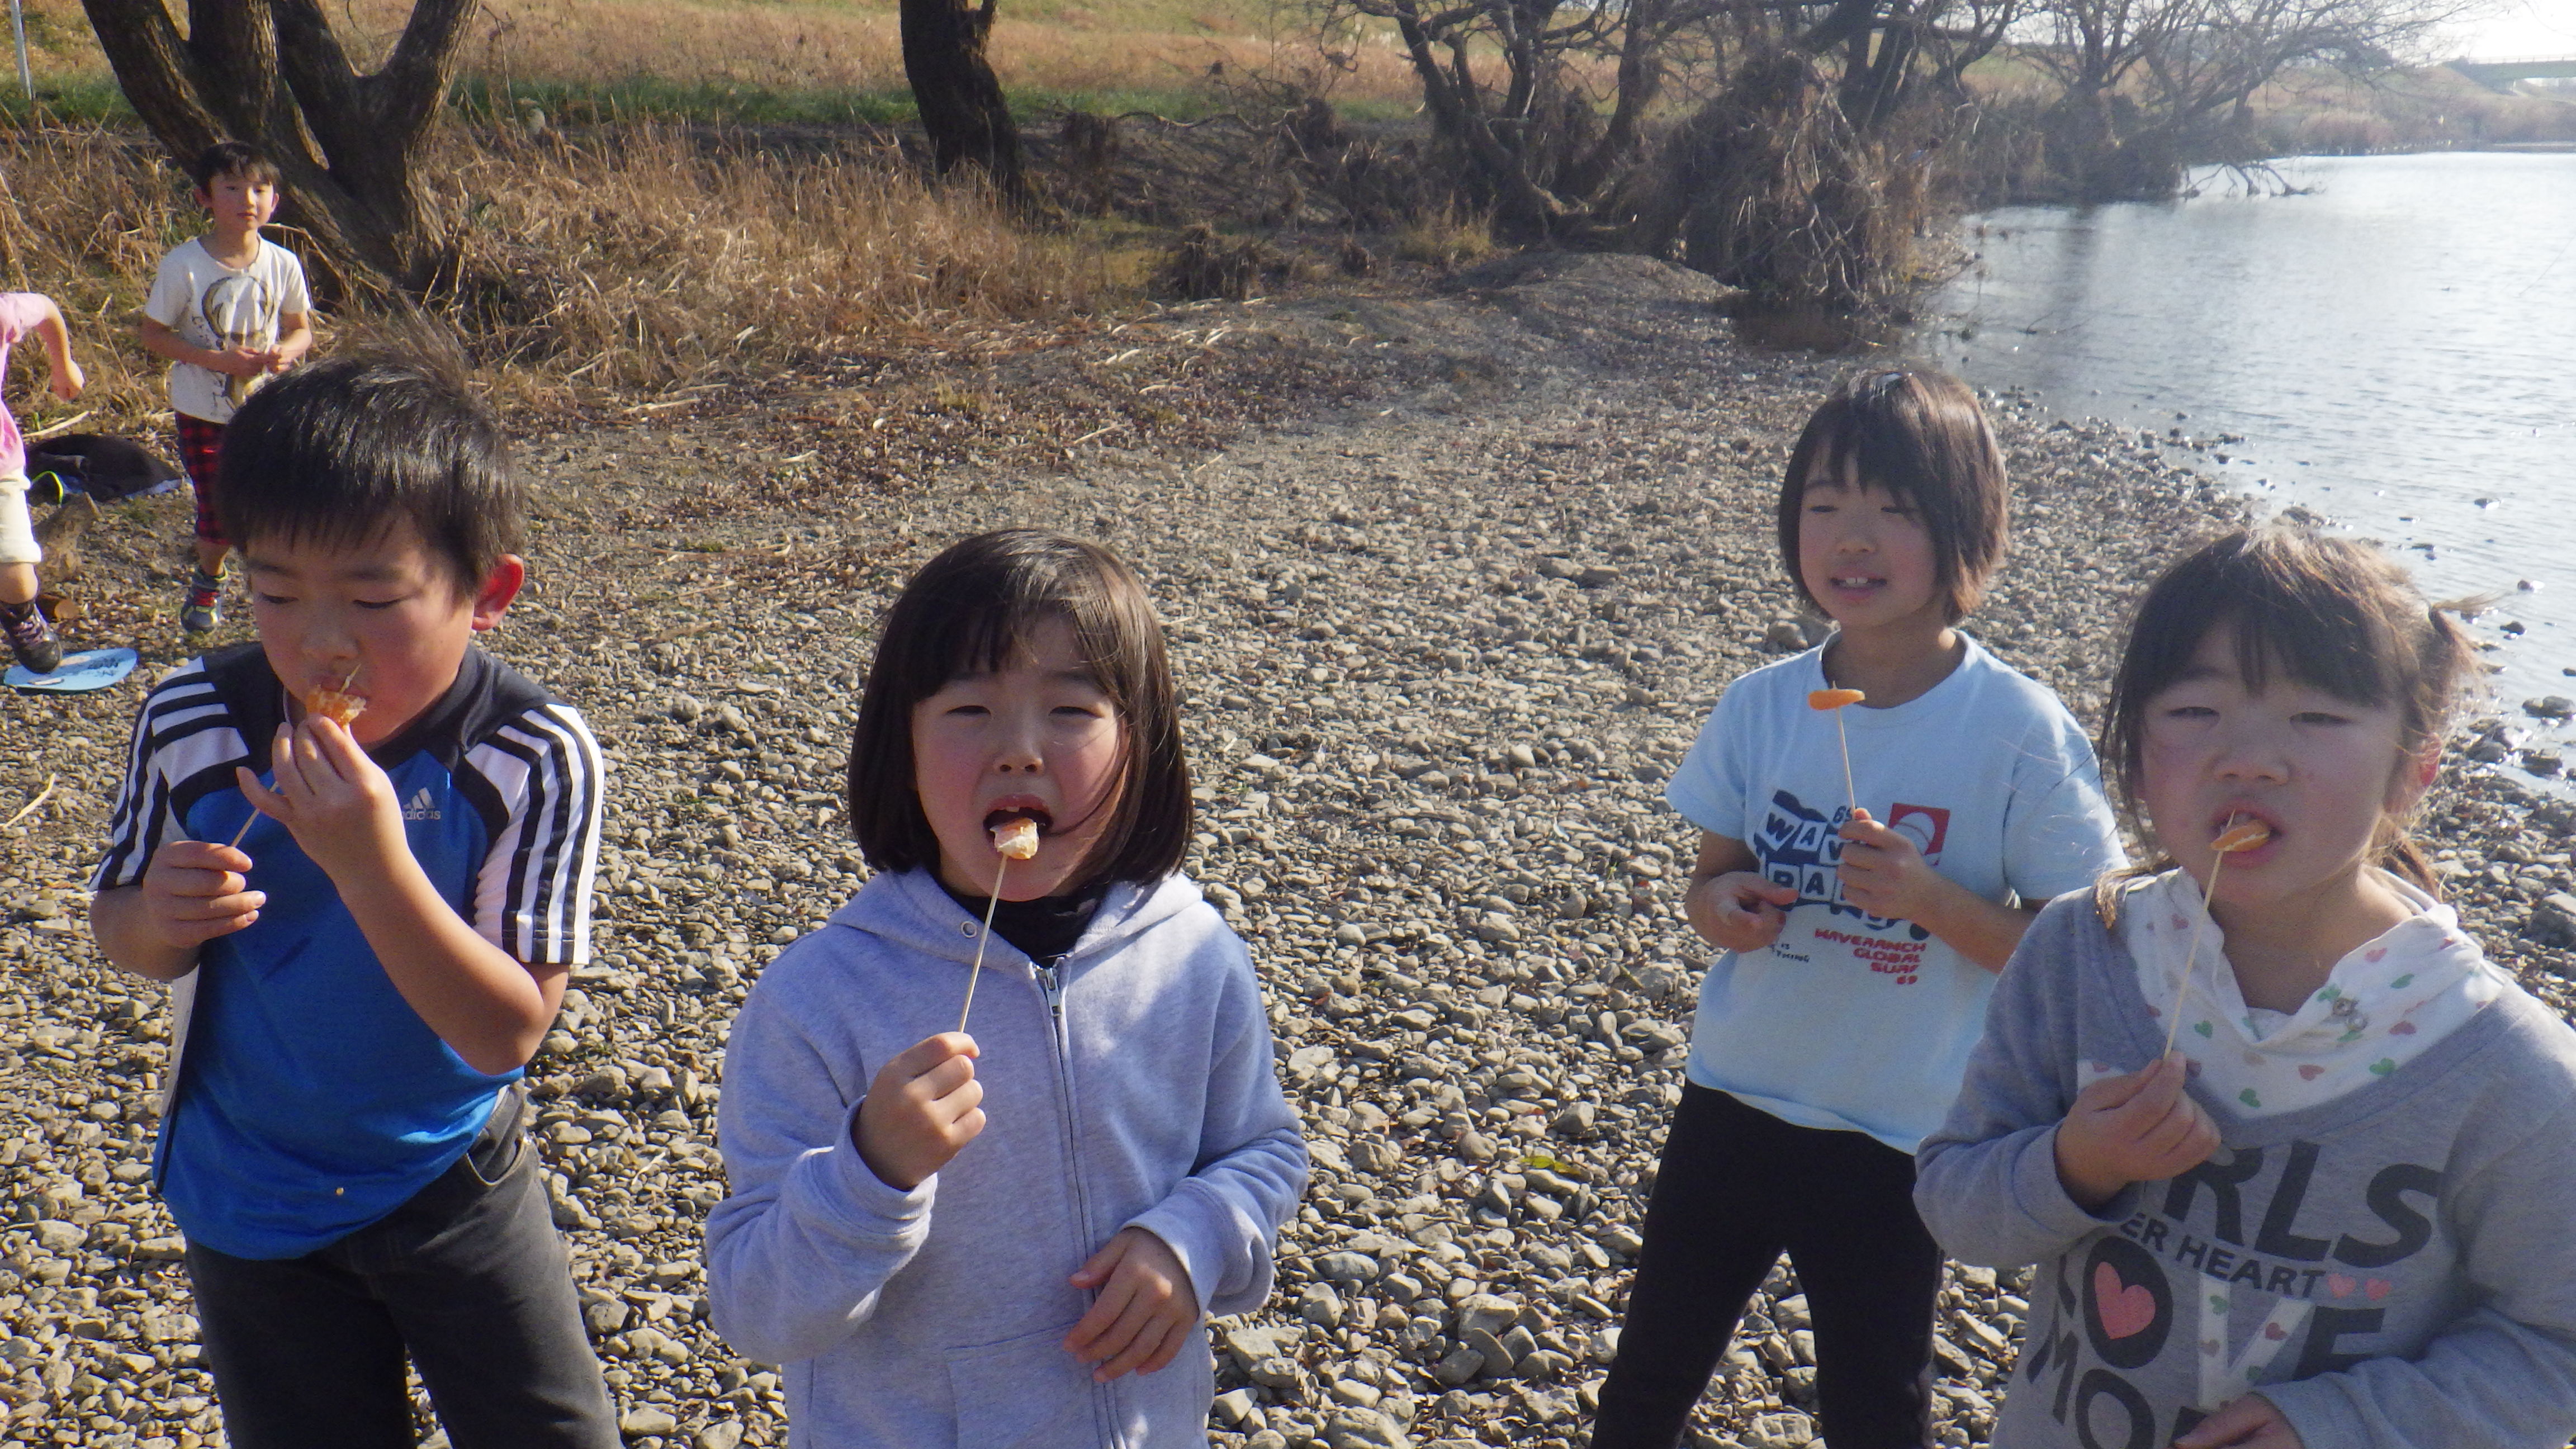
(1013, 1237)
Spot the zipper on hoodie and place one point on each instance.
(1051, 986)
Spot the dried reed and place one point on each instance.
(637, 258)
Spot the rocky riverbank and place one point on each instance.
(1443, 632)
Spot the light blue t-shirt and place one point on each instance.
(1847, 1021)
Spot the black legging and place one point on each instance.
(1738, 1187)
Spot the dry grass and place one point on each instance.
(89, 215)
(646, 261)
(1453, 236)
(696, 52)
(658, 258)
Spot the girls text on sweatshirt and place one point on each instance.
(2389, 1268)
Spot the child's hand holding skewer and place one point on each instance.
(922, 1108)
(2141, 1127)
(336, 801)
(1883, 872)
(194, 891)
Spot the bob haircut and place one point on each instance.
(2327, 613)
(232, 158)
(1921, 436)
(337, 452)
(968, 611)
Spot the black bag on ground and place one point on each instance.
(105, 468)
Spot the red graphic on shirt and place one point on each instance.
(1928, 826)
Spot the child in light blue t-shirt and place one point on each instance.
(1864, 897)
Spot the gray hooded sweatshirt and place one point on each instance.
(1131, 1085)
(2392, 1268)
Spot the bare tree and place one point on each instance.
(960, 99)
(273, 73)
(2149, 85)
(1553, 154)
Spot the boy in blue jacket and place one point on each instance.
(361, 975)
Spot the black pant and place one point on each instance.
(1736, 1188)
(468, 1276)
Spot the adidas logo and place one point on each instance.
(420, 806)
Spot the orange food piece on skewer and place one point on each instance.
(336, 704)
(2242, 837)
(1016, 839)
(1833, 698)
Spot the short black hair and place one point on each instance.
(341, 450)
(231, 158)
(969, 610)
(2334, 614)
(1921, 436)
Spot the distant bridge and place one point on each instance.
(2499, 75)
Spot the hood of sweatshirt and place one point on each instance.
(907, 910)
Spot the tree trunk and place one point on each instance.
(959, 98)
(272, 73)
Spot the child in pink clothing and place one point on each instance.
(31, 638)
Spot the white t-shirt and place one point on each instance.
(1847, 1021)
(214, 306)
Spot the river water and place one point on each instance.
(2395, 345)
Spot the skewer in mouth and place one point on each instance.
(2230, 840)
(1014, 818)
(1015, 837)
(339, 704)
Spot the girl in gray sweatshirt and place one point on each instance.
(2293, 1158)
(1005, 1225)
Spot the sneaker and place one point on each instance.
(204, 608)
(31, 638)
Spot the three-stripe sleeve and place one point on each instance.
(532, 896)
(181, 734)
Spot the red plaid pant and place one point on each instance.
(201, 451)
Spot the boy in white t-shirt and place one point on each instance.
(1862, 916)
(228, 310)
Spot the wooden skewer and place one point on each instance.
(977, 972)
(2234, 838)
(1014, 839)
(1832, 701)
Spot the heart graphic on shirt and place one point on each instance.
(2376, 1289)
(2180, 924)
(2211, 1347)
(2310, 1072)
(2402, 982)
(2375, 955)
(2253, 1059)
(2204, 1028)
(2383, 1066)
(2249, 1099)
(2275, 1332)
(2126, 1308)
(2341, 1286)
(2403, 1028)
